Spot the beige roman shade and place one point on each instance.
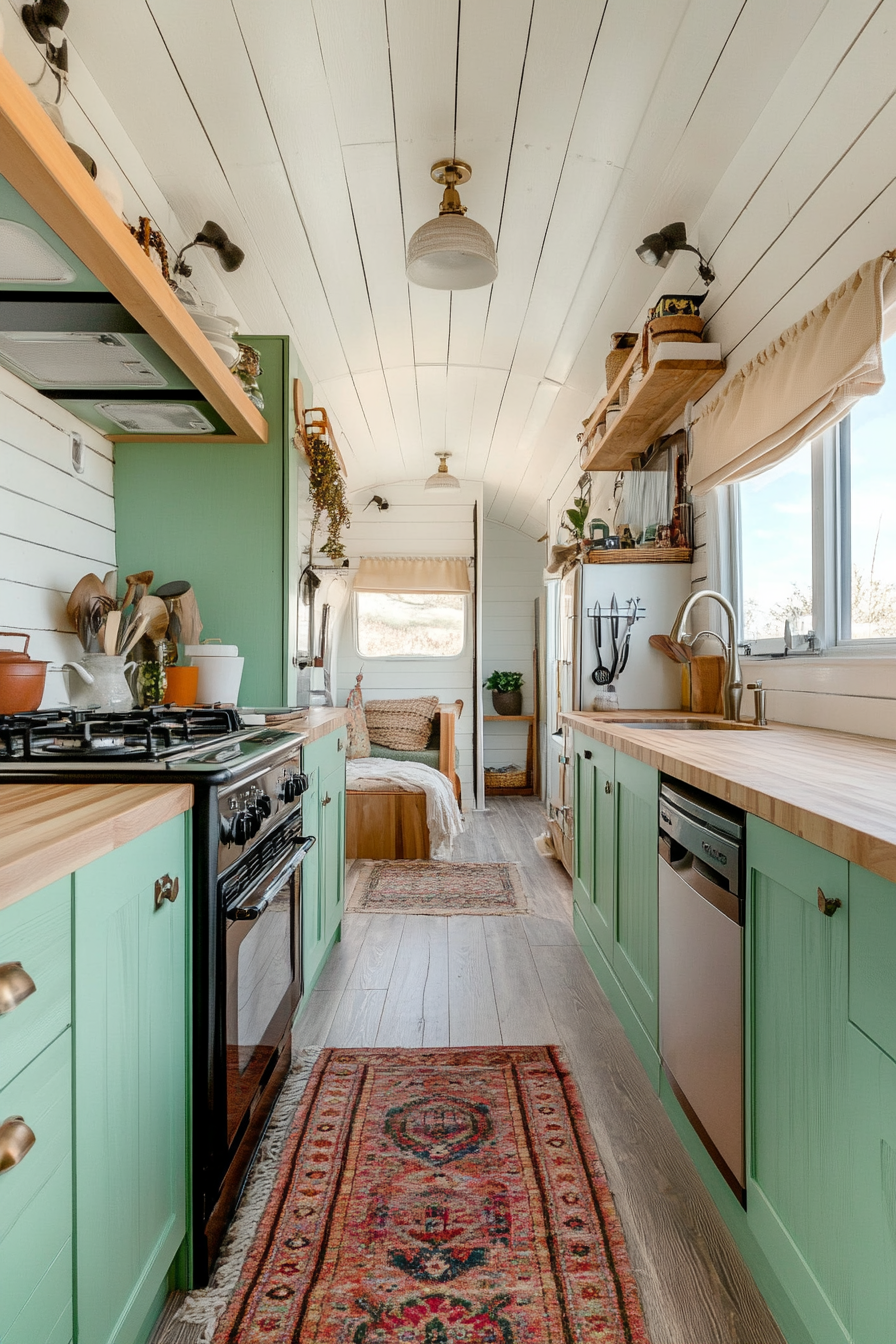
(412, 574)
(802, 383)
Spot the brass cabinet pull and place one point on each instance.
(326, 800)
(340, 745)
(15, 985)
(16, 1141)
(166, 889)
(608, 787)
(826, 904)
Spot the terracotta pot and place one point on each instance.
(22, 678)
(677, 328)
(507, 702)
(182, 685)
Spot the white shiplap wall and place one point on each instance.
(55, 526)
(416, 523)
(512, 579)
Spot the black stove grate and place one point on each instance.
(139, 734)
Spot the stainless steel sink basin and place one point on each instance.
(685, 725)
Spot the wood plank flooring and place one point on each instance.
(416, 980)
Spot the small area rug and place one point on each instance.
(437, 1197)
(416, 887)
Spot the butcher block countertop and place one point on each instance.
(314, 723)
(835, 789)
(49, 830)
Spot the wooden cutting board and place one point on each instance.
(701, 679)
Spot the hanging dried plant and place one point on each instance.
(328, 496)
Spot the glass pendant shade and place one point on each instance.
(441, 479)
(451, 251)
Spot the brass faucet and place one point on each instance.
(732, 686)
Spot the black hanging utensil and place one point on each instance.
(601, 675)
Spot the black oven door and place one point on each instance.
(264, 981)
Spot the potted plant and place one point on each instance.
(506, 689)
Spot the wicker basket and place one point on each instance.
(505, 779)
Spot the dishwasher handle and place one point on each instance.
(690, 870)
(718, 852)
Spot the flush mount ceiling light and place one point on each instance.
(212, 235)
(441, 480)
(657, 248)
(27, 258)
(451, 251)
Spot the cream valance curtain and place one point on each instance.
(799, 385)
(412, 574)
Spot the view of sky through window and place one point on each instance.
(776, 548)
(872, 509)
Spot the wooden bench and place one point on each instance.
(391, 823)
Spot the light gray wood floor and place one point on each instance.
(411, 980)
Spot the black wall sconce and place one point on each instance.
(657, 248)
(381, 504)
(39, 19)
(212, 235)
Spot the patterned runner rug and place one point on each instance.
(437, 1197)
(416, 887)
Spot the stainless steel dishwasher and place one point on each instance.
(701, 914)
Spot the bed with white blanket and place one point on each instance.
(399, 810)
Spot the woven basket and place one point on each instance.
(623, 344)
(503, 779)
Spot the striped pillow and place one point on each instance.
(403, 725)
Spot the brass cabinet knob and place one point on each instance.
(166, 889)
(16, 1141)
(326, 800)
(15, 985)
(608, 787)
(826, 904)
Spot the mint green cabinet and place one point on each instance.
(36, 932)
(799, 1195)
(872, 956)
(36, 1203)
(615, 884)
(323, 872)
(130, 1033)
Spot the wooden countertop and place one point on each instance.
(49, 830)
(837, 790)
(314, 723)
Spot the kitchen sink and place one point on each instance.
(685, 725)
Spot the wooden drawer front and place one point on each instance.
(872, 957)
(36, 1204)
(37, 932)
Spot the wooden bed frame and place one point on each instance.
(391, 824)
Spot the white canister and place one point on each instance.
(220, 672)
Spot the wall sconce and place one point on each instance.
(38, 19)
(212, 235)
(381, 504)
(657, 248)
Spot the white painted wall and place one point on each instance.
(416, 523)
(512, 579)
(55, 526)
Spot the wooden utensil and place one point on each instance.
(158, 616)
(670, 647)
(110, 583)
(136, 630)
(111, 632)
(86, 588)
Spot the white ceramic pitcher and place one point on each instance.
(99, 680)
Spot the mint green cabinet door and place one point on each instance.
(799, 1197)
(314, 922)
(583, 825)
(36, 932)
(36, 1204)
(872, 956)
(130, 1030)
(635, 957)
(870, 1243)
(332, 807)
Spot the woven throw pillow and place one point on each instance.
(403, 725)
(358, 737)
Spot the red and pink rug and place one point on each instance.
(419, 887)
(438, 1197)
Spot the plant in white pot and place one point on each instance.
(507, 694)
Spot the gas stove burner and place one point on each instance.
(142, 734)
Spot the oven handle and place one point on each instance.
(257, 905)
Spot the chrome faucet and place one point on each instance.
(732, 686)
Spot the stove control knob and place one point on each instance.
(264, 805)
(253, 817)
(301, 782)
(226, 831)
(288, 789)
(240, 828)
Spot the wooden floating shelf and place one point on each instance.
(508, 718)
(657, 400)
(41, 167)
(641, 555)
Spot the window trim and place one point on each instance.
(442, 659)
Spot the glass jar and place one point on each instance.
(151, 684)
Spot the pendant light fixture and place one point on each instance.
(441, 480)
(451, 251)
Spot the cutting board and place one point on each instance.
(701, 684)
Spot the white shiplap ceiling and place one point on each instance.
(308, 127)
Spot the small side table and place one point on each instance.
(496, 789)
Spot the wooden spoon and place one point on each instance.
(110, 633)
(158, 616)
(136, 630)
(86, 588)
(669, 647)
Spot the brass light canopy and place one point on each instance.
(451, 251)
(442, 479)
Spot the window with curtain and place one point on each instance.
(817, 536)
(411, 608)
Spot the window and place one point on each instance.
(410, 625)
(817, 536)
